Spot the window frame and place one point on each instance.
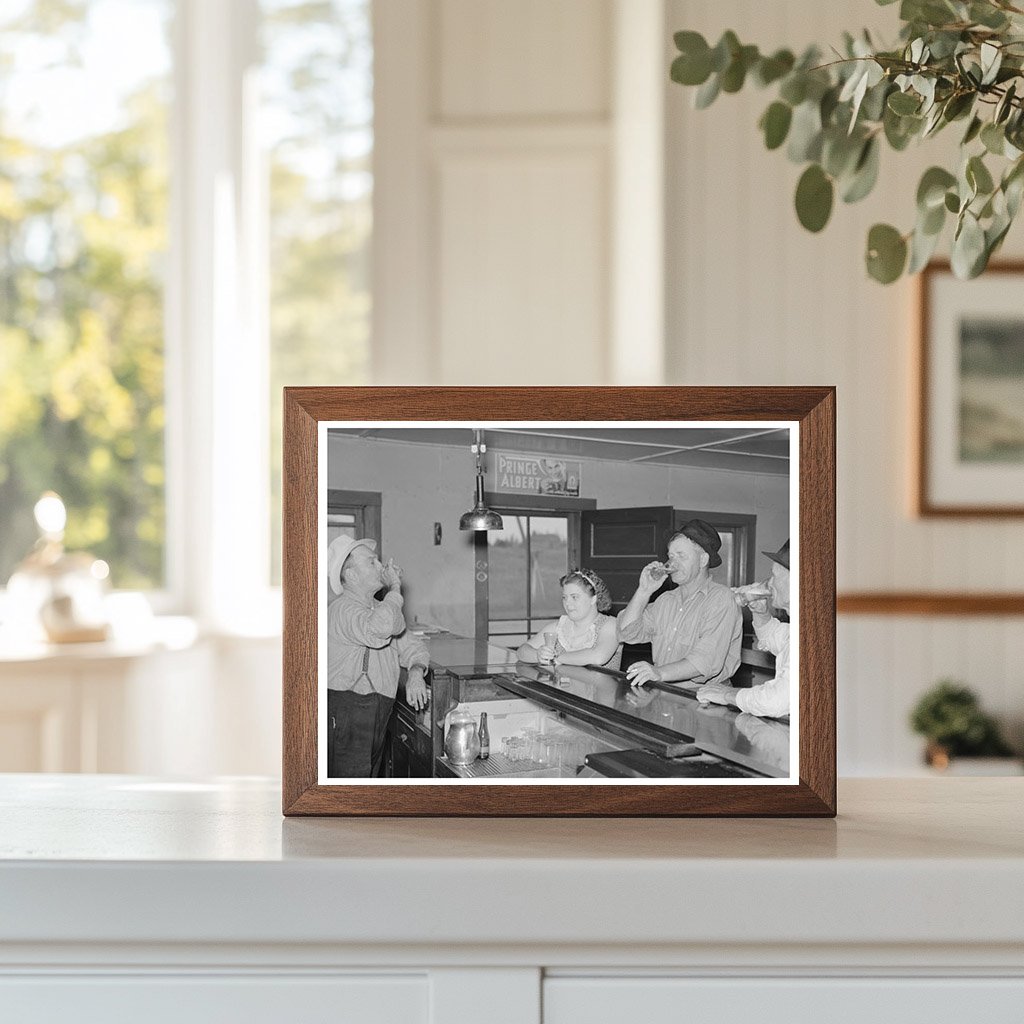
(520, 505)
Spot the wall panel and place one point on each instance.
(528, 59)
(521, 268)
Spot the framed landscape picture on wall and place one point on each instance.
(970, 445)
(559, 601)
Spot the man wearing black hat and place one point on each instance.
(694, 630)
(770, 699)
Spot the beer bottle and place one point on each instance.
(485, 737)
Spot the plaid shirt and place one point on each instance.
(705, 628)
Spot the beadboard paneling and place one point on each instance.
(753, 298)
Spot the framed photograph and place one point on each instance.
(970, 450)
(559, 601)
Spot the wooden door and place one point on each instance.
(618, 542)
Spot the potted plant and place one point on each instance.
(950, 717)
(955, 61)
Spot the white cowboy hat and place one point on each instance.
(337, 551)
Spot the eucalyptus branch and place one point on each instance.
(833, 118)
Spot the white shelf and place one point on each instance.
(915, 892)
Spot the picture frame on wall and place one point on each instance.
(559, 601)
(970, 383)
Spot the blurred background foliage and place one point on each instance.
(83, 232)
(84, 212)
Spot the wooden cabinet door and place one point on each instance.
(618, 542)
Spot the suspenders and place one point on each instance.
(364, 673)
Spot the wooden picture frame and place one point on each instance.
(808, 413)
(969, 448)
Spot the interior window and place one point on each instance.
(526, 559)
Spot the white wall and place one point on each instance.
(421, 484)
(506, 154)
(755, 299)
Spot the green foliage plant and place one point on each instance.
(956, 61)
(950, 717)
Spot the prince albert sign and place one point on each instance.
(537, 474)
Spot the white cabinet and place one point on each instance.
(132, 898)
(824, 1000)
(99, 707)
(202, 999)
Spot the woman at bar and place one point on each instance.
(584, 635)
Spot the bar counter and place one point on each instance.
(657, 731)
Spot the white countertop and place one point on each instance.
(125, 859)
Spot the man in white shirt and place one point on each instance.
(770, 699)
(367, 646)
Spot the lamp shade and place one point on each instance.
(480, 517)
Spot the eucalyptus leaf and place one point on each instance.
(925, 88)
(771, 69)
(814, 195)
(932, 221)
(944, 44)
(993, 138)
(900, 130)
(952, 202)
(991, 59)
(736, 73)
(873, 106)
(922, 248)
(958, 105)
(691, 68)
(995, 233)
(903, 103)
(972, 132)
(987, 15)
(978, 175)
(724, 51)
(1013, 187)
(886, 253)
(1004, 106)
(794, 88)
(828, 104)
(931, 190)
(865, 174)
(840, 152)
(1013, 191)
(775, 123)
(968, 247)
(708, 92)
(805, 133)
(933, 122)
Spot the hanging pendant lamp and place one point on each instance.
(480, 517)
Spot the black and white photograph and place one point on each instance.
(537, 603)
